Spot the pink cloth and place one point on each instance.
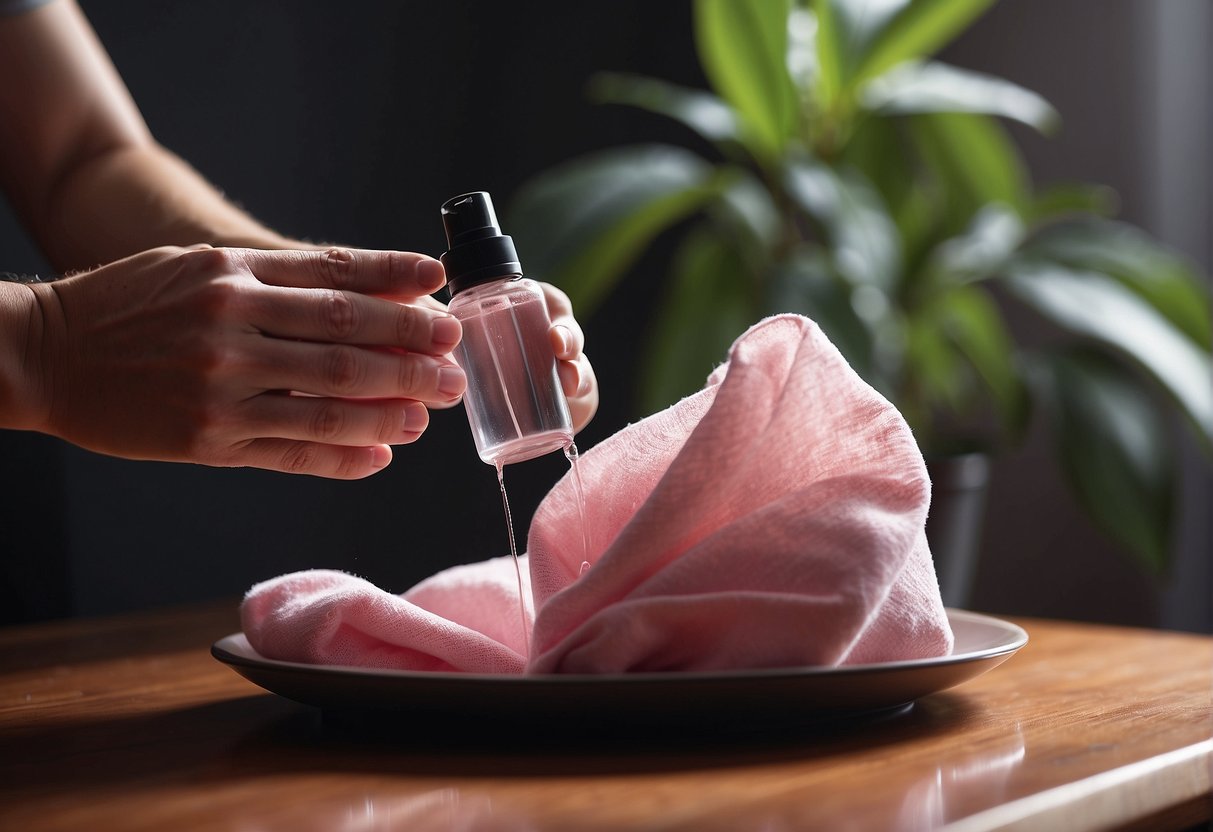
(773, 519)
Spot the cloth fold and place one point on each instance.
(775, 518)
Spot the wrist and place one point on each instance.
(13, 277)
(24, 383)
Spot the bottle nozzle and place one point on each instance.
(477, 250)
(469, 217)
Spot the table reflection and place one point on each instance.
(970, 783)
(441, 810)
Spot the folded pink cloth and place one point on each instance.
(773, 519)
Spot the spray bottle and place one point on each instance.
(514, 403)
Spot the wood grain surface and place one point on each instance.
(129, 724)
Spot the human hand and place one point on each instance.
(284, 360)
(568, 342)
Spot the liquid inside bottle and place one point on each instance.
(514, 403)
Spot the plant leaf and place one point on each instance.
(975, 163)
(1072, 198)
(917, 30)
(934, 87)
(987, 244)
(580, 225)
(743, 49)
(1114, 450)
(880, 148)
(971, 320)
(803, 62)
(961, 373)
(804, 284)
(936, 377)
(707, 306)
(745, 204)
(860, 39)
(863, 239)
(833, 56)
(1099, 308)
(1161, 278)
(701, 111)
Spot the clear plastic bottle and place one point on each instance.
(514, 403)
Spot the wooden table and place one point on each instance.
(128, 724)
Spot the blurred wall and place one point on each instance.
(352, 122)
(1131, 79)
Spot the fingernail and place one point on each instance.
(565, 338)
(430, 275)
(446, 333)
(451, 381)
(381, 455)
(416, 417)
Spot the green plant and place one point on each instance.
(853, 179)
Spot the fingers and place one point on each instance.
(567, 340)
(348, 371)
(580, 388)
(566, 335)
(398, 274)
(332, 421)
(324, 437)
(577, 378)
(559, 305)
(329, 315)
(333, 461)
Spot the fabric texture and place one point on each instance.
(775, 518)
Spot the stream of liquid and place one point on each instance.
(509, 527)
(570, 453)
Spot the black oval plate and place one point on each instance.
(774, 696)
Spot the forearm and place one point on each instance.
(77, 161)
(138, 197)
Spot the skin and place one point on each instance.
(203, 336)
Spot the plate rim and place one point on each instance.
(1016, 638)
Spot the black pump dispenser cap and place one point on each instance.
(478, 251)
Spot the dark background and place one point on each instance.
(354, 121)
